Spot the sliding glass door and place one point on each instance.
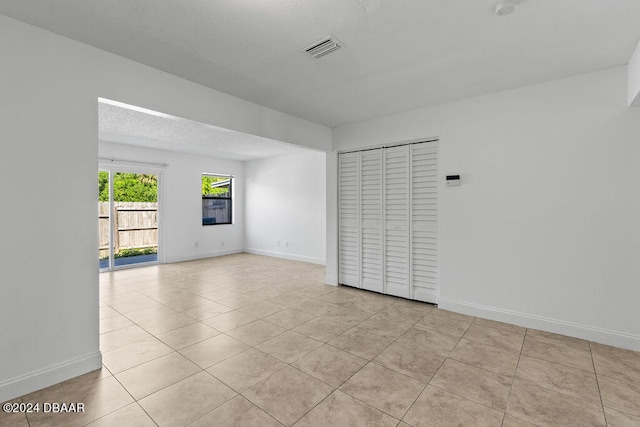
(128, 218)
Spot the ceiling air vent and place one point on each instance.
(323, 47)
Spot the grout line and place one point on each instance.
(604, 413)
(515, 372)
(135, 401)
(465, 398)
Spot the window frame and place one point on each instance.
(216, 197)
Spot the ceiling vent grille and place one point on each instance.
(322, 47)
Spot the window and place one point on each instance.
(216, 199)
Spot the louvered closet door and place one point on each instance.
(349, 219)
(388, 213)
(396, 214)
(371, 219)
(424, 221)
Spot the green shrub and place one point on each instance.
(123, 253)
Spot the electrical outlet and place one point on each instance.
(286, 244)
(222, 244)
(277, 242)
(196, 244)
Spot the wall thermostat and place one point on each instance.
(453, 180)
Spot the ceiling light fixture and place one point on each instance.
(505, 8)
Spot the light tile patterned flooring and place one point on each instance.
(245, 340)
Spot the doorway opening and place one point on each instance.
(128, 213)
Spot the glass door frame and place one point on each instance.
(112, 167)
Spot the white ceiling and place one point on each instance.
(132, 125)
(399, 54)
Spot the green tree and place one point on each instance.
(128, 187)
(210, 189)
(103, 186)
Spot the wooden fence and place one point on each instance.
(216, 211)
(136, 224)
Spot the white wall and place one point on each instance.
(543, 231)
(49, 302)
(49, 89)
(181, 204)
(633, 72)
(285, 202)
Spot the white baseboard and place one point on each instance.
(181, 258)
(590, 333)
(292, 257)
(36, 380)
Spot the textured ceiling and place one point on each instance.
(135, 126)
(399, 54)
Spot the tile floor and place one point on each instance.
(246, 340)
